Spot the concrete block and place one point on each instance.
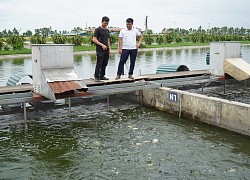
(237, 68)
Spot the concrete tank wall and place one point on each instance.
(226, 114)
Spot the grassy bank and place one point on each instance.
(12, 52)
(92, 48)
(177, 45)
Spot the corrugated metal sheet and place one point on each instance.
(61, 74)
(61, 87)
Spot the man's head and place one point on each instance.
(105, 21)
(129, 23)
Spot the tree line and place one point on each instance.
(13, 39)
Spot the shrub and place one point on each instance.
(77, 40)
(16, 42)
(38, 40)
(1, 44)
(6, 48)
(159, 39)
(114, 39)
(178, 39)
(169, 38)
(148, 39)
(59, 39)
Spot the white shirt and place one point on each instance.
(129, 38)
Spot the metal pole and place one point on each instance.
(69, 106)
(141, 97)
(180, 104)
(225, 86)
(108, 102)
(202, 88)
(245, 83)
(24, 112)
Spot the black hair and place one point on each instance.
(105, 18)
(130, 20)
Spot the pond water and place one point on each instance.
(146, 63)
(129, 142)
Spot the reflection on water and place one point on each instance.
(146, 63)
(18, 61)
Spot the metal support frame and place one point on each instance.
(109, 89)
(24, 112)
(225, 82)
(69, 106)
(108, 102)
(202, 88)
(141, 97)
(180, 105)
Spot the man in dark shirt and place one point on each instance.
(103, 51)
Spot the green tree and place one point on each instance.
(203, 38)
(16, 42)
(10, 33)
(28, 33)
(1, 43)
(89, 39)
(77, 40)
(169, 38)
(114, 39)
(178, 39)
(148, 39)
(149, 31)
(4, 33)
(59, 39)
(195, 38)
(77, 30)
(159, 39)
(15, 31)
(38, 40)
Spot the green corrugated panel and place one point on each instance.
(165, 68)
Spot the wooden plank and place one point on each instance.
(15, 89)
(91, 82)
(178, 74)
(237, 68)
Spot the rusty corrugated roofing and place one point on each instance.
(64, 86)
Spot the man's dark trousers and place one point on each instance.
(102, 62)
(124, 57)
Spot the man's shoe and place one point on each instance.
(131, 77)
(104, 78)
(97, 79)
(117, 77)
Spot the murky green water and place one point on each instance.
(129, 142)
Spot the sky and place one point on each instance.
(67, 14)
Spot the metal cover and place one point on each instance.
(61, 87)
(61, 74)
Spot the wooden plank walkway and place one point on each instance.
(16, 89)
(91, 82)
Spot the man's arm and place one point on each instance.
(109, 46)
(95, 40)
(120, 45)
(139, 42)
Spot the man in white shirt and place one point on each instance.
(128, 47)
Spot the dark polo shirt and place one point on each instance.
(102, 36)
